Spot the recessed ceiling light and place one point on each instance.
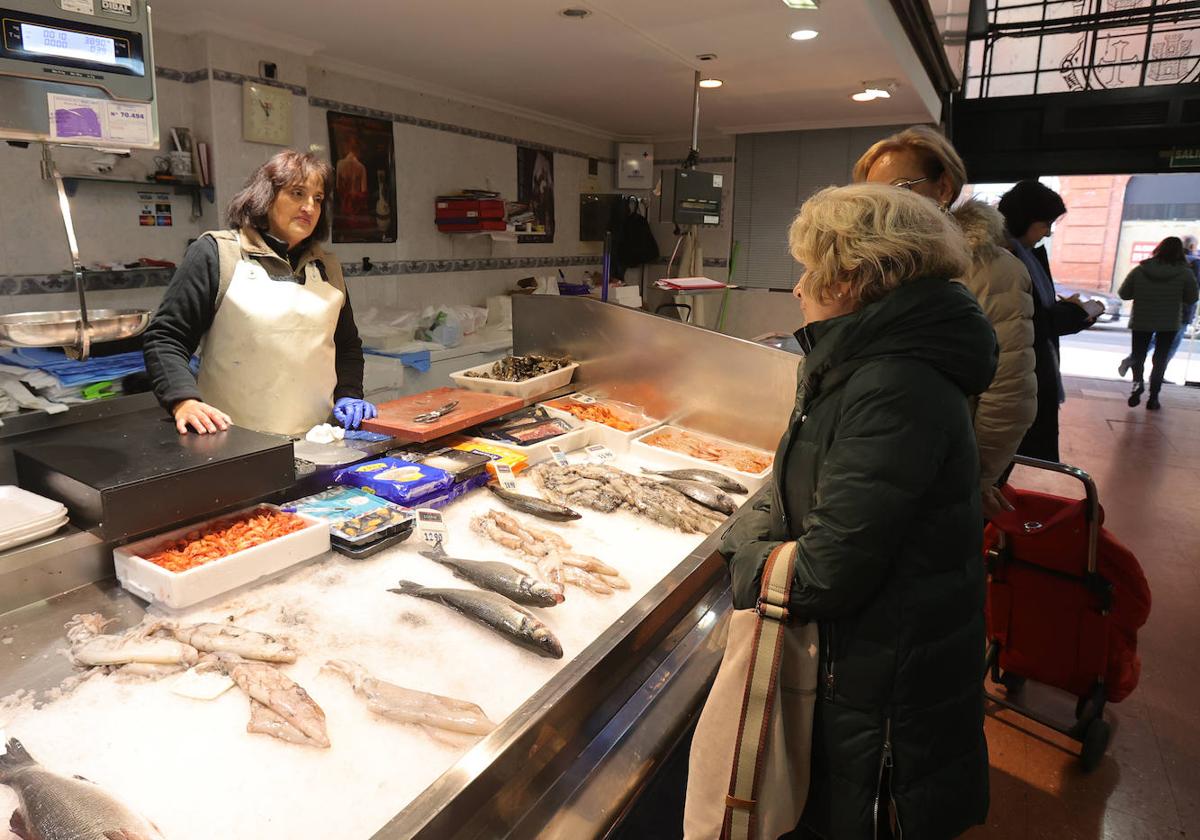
(578, 14)
(802, 4)
(711, 83)
(862, 96)
(803, 35)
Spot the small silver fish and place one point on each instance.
(708, 495)
(499, 577)
(534, 506)
(51, 806)
(515, 623)
(712, 477)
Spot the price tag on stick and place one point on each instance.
(583, 398)
(431, 528)
(504, 475)
(600, 454)
(559, 456)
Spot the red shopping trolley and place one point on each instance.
(1065, 600)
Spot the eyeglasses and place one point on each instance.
(909, 183)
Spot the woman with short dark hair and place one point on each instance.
(268, 309)
(1030, 210)
(1161, 288)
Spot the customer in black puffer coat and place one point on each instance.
(877, 479)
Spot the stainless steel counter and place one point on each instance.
(571, 759)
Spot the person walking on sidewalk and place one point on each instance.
(1189, 312)
(1161, 288)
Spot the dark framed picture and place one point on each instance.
(364, 165)
(535, 190)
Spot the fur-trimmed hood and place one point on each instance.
(984, 228)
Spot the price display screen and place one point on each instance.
(61, 43)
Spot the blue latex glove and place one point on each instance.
(350, 412)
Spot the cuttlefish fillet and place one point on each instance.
(409, 706)
(288, 712)
(91, 647)
(226, 638)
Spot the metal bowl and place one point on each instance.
(62, 328)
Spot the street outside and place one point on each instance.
(1096, 352)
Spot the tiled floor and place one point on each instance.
(1147, 469)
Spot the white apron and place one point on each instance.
(268, 359)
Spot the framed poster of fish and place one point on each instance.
(535, 190)
(364, 166)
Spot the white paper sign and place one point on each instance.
(718, 180)
(504, 475)
(81, 7)
(128, 122)
(85, 118)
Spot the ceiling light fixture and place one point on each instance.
(711, 83)
(875, 89)
(804, 35)
(802, 4)
(577, 14)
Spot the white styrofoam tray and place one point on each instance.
(33, 532)
(527, 390)
(657, 457)
(183, 589)
(20, 508)
(614, 439)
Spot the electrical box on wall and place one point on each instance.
(635, 166)
(697, 197)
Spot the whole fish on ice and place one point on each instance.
(90, 646)
(533, 505)
(499, 577)
(709, 495)
(278, 707)
(54, 807)
(515, 623)
(716, 479)
(409, 706)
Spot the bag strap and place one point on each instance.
(759, 698)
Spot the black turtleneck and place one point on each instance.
(187, 311)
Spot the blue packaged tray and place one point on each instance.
(444, 497)
(395, 479)
(355, 516)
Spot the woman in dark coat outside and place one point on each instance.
(1030, 209)
(876, 479)
(1161, 289)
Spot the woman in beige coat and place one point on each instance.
(922, 160)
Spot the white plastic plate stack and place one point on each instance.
(25, 516)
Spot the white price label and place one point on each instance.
(558, 455)
(600, 454)
(431, 528)
(504, 475)
(82, 7)
(584, 398)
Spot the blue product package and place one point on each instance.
(444, 497)
(354, 514)
(395, 479)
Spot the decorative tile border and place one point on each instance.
(681, 161)
(100, 281)
(238, 78)
(193, 76)
(94, 281)
(408, 119)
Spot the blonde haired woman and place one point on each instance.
(876, 479)
(920, 159)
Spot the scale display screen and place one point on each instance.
(62, 46)
(61, 43)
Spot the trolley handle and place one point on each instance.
(1092, 512)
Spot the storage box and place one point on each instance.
(177, 590)
(528, 390)
(658, 457)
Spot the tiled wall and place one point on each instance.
(441, 145)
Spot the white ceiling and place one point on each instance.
(626, 71)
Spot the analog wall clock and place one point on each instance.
(266, 114)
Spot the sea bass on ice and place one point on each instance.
(540, 508)
(409, 706)
(709, 495)
(515, 623)
(499, 577)
(716, 479)
(54, 807)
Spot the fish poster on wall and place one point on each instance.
(364, 165)
(535, 190)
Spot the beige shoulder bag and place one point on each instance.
(748, 771)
